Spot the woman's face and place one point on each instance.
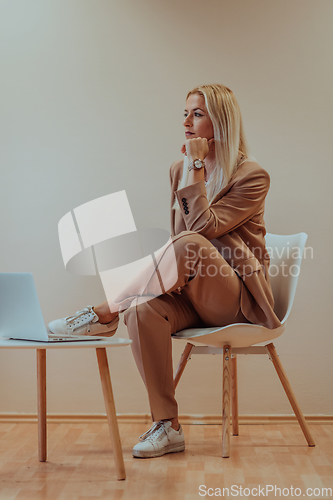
(197, 122)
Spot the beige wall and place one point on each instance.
(92, 97)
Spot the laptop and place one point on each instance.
(20, 312)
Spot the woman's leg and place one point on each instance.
(104, 313)
(210, 295)
(192, 263)
(150, 325)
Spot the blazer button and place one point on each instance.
(184, 199)
(187, 212)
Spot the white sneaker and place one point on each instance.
(83, 322)
(159, 440)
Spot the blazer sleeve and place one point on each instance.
(175, 172)
(244, 200)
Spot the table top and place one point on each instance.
(31, 344)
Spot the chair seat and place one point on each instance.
(236, 335)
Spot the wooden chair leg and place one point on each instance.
(111, 411)
(234, 396)
(226, 402)
(183, 362)
(291, 396)
(41, 404)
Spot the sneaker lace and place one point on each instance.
(79, 316)
(155, 431)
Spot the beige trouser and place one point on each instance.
(210, 296)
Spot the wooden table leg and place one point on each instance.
(111, 411)
(226, 402)
(41, 404)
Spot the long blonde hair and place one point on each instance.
(231, 148)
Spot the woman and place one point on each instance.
(218, 231)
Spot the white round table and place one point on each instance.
(100, 346)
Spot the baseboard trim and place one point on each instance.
(131, 418)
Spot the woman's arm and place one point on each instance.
(241, 202)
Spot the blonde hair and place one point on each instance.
(231, 148)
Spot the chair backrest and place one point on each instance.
(286, 252)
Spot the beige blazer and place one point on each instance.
(234, 223)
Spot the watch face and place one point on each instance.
(198, 164)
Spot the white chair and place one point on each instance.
(240, 338)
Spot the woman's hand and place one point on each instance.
(197, 147)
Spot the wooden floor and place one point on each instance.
(80, 463)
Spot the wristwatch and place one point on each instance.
(196, 164)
